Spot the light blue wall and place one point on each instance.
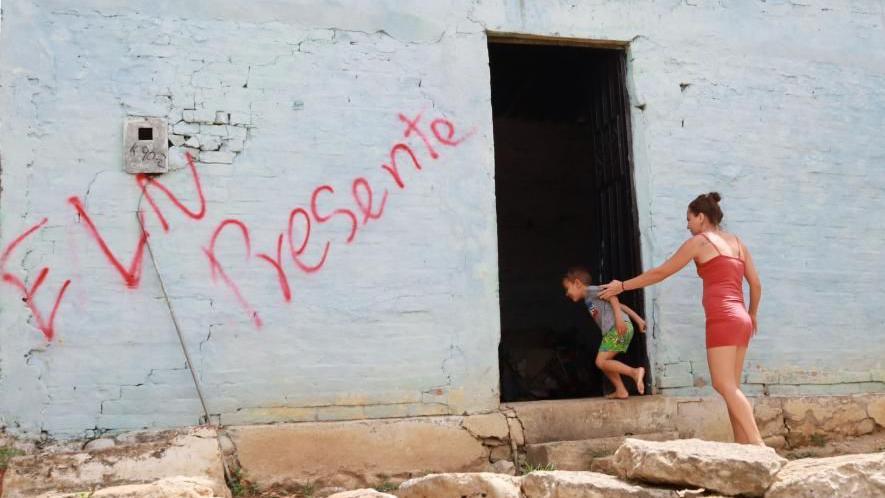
(401, 321)
(778, 106)
(782, 113)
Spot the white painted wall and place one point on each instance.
(782, 114)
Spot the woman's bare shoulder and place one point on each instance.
(734, 240)
(730, 237)
(696, 242)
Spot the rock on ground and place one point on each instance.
(727, 468)
(463, 485)
(173, 487)
(566, 484)
(604, 465)
(848, 475)
(362, 493)
(504, 467)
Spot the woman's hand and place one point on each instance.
(755, 324)
(611, 289)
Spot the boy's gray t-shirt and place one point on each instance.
(601, 310)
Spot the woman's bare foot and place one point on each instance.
(639, 378)
(617, 395)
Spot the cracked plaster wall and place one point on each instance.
(774, 104)
(777, 105)
(272, 103)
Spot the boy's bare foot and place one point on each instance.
(617, 395)
(639, 378)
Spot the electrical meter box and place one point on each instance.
(145, 145)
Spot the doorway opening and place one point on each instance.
(565, 197)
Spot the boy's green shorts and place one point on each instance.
(611, 341)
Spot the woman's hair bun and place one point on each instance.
(715, 196)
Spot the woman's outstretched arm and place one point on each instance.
(682, 257)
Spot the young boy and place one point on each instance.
(617, 331)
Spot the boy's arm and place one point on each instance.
(619, 321)
(634, 316)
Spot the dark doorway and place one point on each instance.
(565, 196)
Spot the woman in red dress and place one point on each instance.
(722, 262)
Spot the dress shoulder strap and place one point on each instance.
(740, 247)
(711, 243)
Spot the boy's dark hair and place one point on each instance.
(578, 273)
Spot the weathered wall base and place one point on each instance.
(372, 452)
(130, 458)
(369, 452)
(788, 422)
(377, 452)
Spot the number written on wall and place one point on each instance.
(142, 153)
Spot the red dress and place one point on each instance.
(728, 322)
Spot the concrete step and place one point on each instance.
(580, 455)
(581, 419)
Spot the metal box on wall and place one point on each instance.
(145, 145)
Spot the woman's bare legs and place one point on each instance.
(723, 363)
(739, 435)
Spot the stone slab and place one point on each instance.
(489, 425)
(727, 468)
(358, 453)
(578, 455)
(172, 487)
(463, 485)
(848, 475)
(573, 420)
(562, 484)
